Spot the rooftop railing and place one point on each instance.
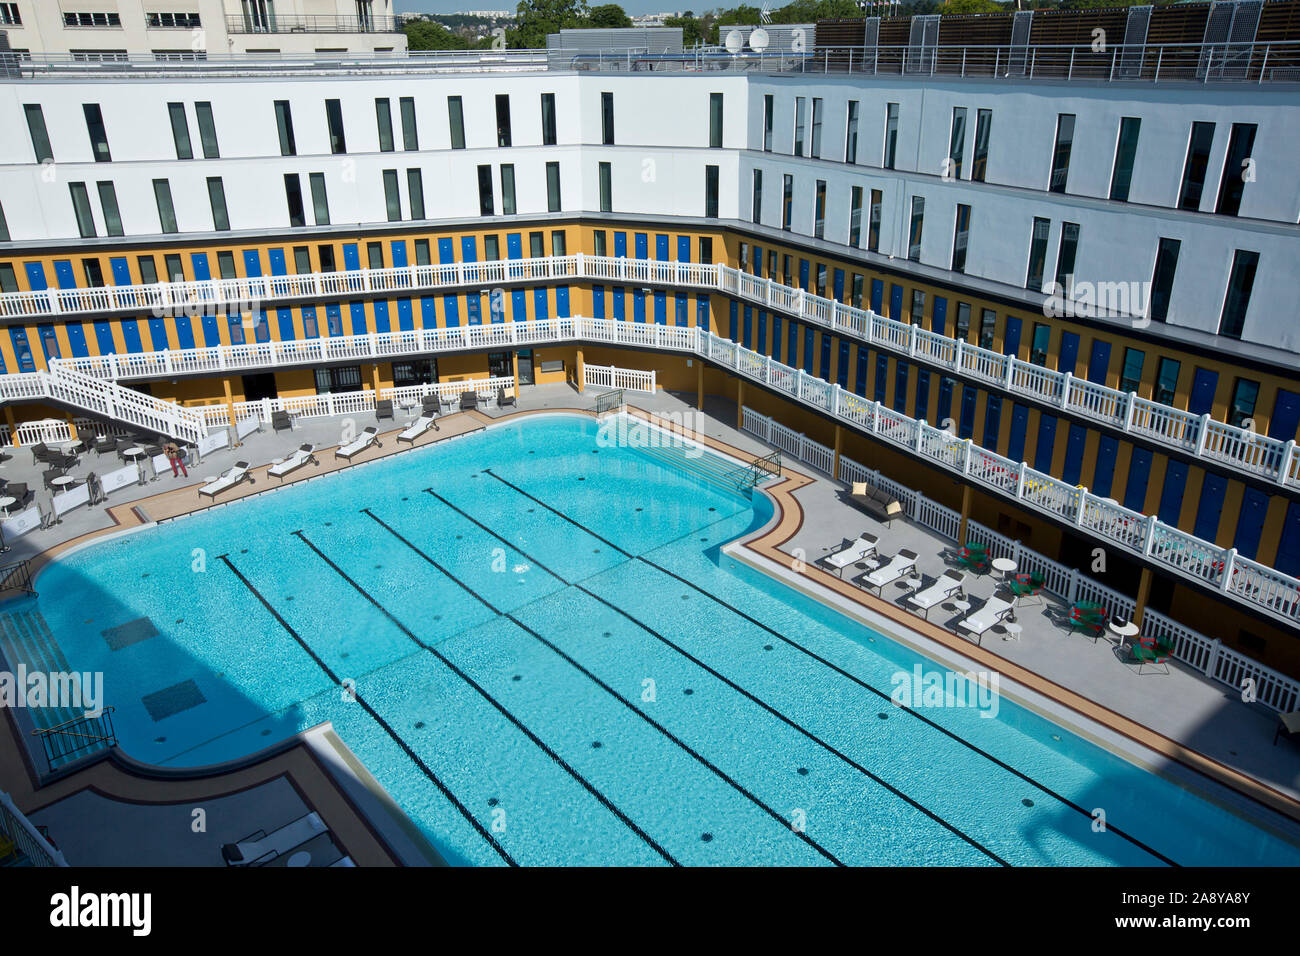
(1239, 449)
(1273, 62)
(312, 24)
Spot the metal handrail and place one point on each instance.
(86, 732)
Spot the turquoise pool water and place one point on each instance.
(546, 659)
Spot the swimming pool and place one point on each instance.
(533, 640)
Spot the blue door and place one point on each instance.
(1019, 429)
(762, 332)
(22, 351)
(1069, 356)
(776, 337)
(877, 295)
(837, 284)
(468, 249)
(474, 307)
(683, 248)
(1288, 547)
(446, 251)
(120, 268)
(939, 319)
(598, 301)
(1209, 510)
(992, 421)
(824, 365)
(792, 344)
(1103, 472)
(562, 304)
(944, 416)
(1204, 384)
(922, 393)
(514, 245)
(748, 340)
(642, 241)
(519, 305)
(900, 388)
(1046, 446)
(63, 274)
(36, 276)
(1286, 416)
(1075, 441)
(253, 262)
(735, 321)
(1099, 362)
(803, 273)
(1250, 522)
(1171, 495)
(1139, 472)
(131, 334)
(1011, 340)
(842, 367)
(681, 309)
(661, 307)
(882, 376)
(896, 302)
(860, 380)
(617, 294)
(199, 263)
(702, 311)
(808, 349)
(104, 337)
(620, 244)
(661, 247)
(969, 395)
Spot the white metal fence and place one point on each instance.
(609, 376)
(25, 837)
(1207, 655)
(1237, 448)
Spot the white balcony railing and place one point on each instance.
(1227, 445)
(87, 384)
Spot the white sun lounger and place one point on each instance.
(863, 547)
(949, 582)
(899, 565)
(359, 444)
(990, 614)
(229, 478)
(418, 428)
(262, 847)
(300, 457)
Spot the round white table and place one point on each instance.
(1005, 566)
(63, 481)
(407, 406)
(136, 456)
(1010, 629)
(7, 502)
(1122, 631)
(962, 605)
(915, 582)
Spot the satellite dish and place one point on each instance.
(759, 40)
(735, 42)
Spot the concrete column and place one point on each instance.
(965, 514)
(1144, 593)
(230, 400)
(740, 402)
(839, 442)
(699, 385)
(580, 371)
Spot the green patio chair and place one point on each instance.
(1028, 585)
(1146, 651)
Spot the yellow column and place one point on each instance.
(579, 371)
(374, 378)
(1144, 592)
(699, 384)
(72, 426)
(12, 423)
(965, 514)
(835, 468)
(515, 365)
(740, 402)
(230, 400)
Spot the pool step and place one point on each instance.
(708, 468)
(25, 637)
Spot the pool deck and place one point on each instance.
(1182, 716)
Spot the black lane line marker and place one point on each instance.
(861, 683)
(521, 491)
(537, 741)
(455, 580)
(738, 787)
(805, 732)
(772, 710)
(415, 758)
(921, 717)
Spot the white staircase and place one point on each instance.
(105, 399)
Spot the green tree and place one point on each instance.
(955, 7)
(608, 16)
(694, 29)
(537, 18)
(427, 35)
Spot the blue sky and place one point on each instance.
(635, 7)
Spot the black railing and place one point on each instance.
(607, 401)
(81, 735)
(751, 473)
(16, 577)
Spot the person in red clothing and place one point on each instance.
(177, 460)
